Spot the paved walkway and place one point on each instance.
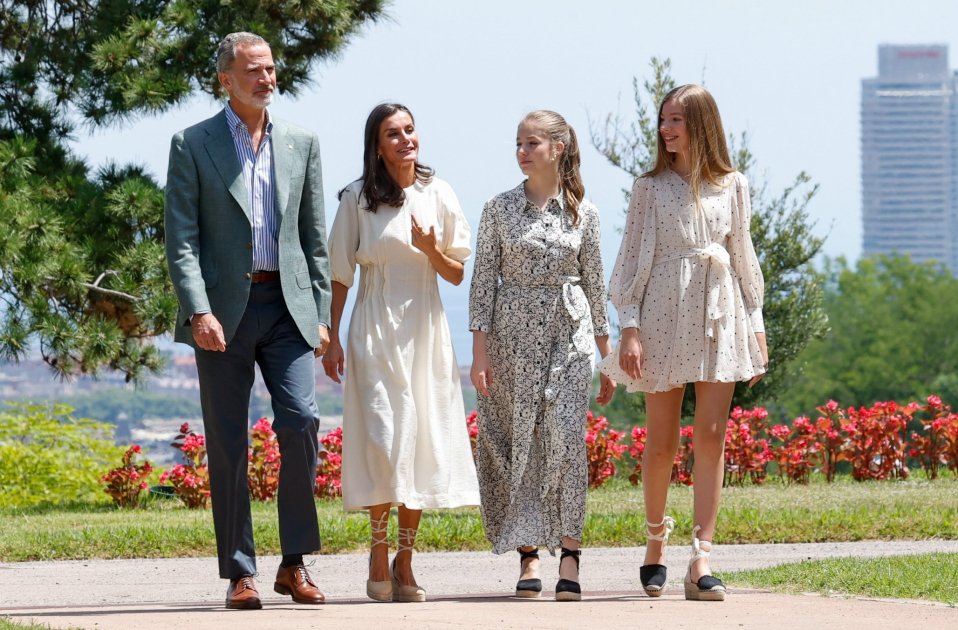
(464, 590)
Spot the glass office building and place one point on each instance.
(910, 155)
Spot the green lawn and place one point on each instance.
(928, 576)
(842, 511)
(9, 624)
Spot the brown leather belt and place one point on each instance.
(264, 276)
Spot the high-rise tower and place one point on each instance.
(910, 155)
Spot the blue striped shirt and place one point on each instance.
(260, 179)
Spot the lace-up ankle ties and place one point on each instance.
(654, 576)
(379, 590)
(707, 587)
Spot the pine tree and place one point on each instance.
(82, 270)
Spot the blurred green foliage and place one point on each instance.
(49, 456)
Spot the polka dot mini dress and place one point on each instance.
(688, 278)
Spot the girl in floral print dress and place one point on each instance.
(537, 310)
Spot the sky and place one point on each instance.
(787, 73)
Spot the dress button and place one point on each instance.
(248, 275)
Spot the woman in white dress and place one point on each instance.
(405, 441)
(537, 311)
(689, 291)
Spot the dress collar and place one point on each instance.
(553, 203)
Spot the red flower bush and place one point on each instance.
(936, 446)
(192, 479)
(873, 440)
(602, 447)
(875, 444)
(472, 426)
(637, 453)
(126, 482)
(797, 449)
(329, 472)
(830, 437)
(681, 468)
(747, 451)
(263, 471)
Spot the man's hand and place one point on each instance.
(207, 332)
(323, 342)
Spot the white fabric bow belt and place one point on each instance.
(718, 283)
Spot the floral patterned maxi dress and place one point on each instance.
(538, 291)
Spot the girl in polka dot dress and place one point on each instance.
(688, 290)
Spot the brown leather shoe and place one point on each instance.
(242, 594)
(295, 581)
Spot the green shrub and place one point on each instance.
(48, 456)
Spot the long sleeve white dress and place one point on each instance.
(688, 278)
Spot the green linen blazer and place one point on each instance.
(209, 234)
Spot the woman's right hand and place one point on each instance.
(630, 353)
(481, 373)
(334, 361)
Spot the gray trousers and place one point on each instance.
(267, 336)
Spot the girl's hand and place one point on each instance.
(763, 346)
(481, 373)
(606, 390)
(630, 353)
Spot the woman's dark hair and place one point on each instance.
(378, 186)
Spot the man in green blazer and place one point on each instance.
(246, 247)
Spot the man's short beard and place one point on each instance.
(255, 100)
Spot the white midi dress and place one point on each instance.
(688, 278)
(405, 440)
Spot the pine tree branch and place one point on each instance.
(94, 287)
(111, 292)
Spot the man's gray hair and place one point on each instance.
(226, 53)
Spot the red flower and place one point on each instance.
(122, 482)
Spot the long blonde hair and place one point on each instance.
(708, 152)
(570, 179)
